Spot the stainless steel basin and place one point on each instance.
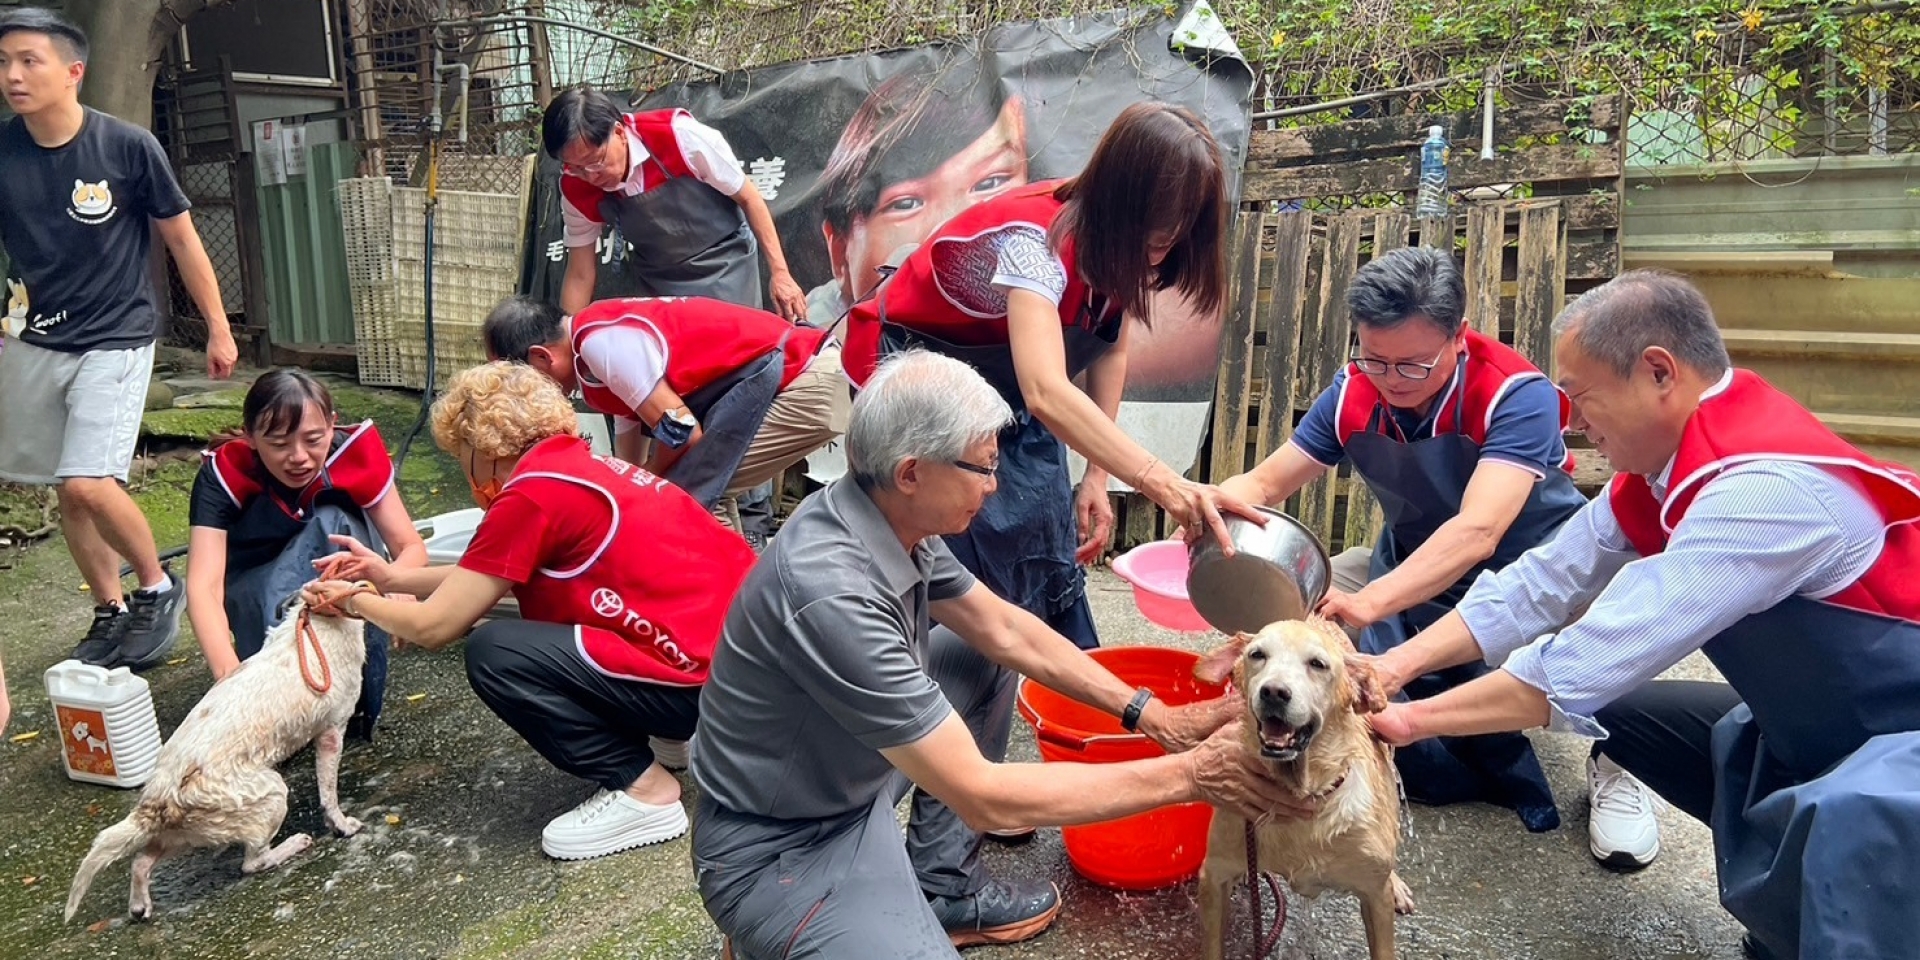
(1278, 572)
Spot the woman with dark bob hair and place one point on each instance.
(266, 504)
(1034, 288)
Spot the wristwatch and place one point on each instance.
(675, 428)
(1130, 717)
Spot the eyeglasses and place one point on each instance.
(1407, 369)
(598, 166)
(989, 471)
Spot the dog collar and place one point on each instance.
(1328, 792)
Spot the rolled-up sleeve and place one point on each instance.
(1753, 537)
(577, 229)
(1538, 593)
(708, 154)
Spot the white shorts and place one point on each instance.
(70, 414)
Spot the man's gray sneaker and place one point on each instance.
(1000, 912)
(102, 643)
(153, 624)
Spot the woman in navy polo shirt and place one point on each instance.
(264, 506)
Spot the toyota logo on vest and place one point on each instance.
(607, 603)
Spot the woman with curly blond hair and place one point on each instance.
(623, 581)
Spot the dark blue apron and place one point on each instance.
(259, 593)
(1816, 819)
(1022, 542)
(1419, 485)
(730, 410)
(689, 240)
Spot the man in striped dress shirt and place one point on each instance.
(1740, 526)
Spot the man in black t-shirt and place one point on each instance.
(80, 198)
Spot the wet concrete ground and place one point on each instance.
(449, 864)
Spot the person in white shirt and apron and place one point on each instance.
(672, 188)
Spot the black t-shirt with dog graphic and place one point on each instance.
(75, 223)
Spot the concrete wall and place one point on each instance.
(1813, 270)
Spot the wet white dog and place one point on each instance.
(215, 782)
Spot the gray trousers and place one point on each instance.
(851, 886)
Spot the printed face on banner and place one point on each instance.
(905, 211)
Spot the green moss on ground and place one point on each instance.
(195, 425)
(507, 935)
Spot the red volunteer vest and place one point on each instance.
(655, 130)
(1492, 370)
(704, 340)
(945, 290)
(650, 599)
(358, 467)
(1750, 420)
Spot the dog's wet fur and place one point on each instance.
(1306, 700)
(215, 782)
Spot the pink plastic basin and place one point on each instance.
(1158, 572)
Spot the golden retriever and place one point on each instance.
(215, 782)
(1304, 700)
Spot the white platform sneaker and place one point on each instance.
(1621, 829)
(609, 822)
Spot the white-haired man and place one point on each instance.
(830, 696)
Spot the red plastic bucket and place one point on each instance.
(1149, 850)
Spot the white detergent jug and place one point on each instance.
(108, 731)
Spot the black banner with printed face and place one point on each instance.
(859, 155)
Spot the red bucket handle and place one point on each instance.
(1059, 738)
(1066, 738)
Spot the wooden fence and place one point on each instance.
(1538, 224)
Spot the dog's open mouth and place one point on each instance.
(1280, 740)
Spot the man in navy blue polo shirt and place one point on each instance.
(1460, 439)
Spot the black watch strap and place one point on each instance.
(1130, 717)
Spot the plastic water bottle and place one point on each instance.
(1433, 175)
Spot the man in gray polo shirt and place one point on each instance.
(830, 696)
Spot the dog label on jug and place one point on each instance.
(82, 737)
(108, 731)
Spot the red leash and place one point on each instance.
(1263, 943)
(305, 637)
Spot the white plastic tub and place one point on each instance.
(447, 536)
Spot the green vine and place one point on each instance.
(1724, 79)
(1750, 78)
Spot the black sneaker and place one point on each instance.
(999, 912)
(153, 624)
(103, 637)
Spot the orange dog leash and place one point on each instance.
(304, 635)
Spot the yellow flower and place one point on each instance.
(1279, 38)
(1752, 18)
(1704, 35)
